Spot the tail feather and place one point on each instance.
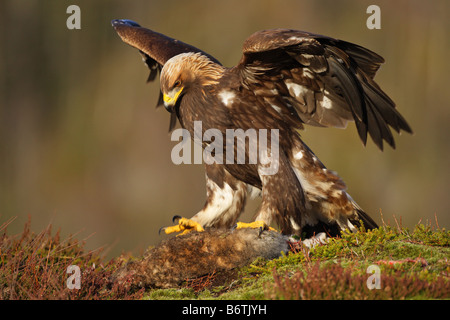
(367, 221)
(333, 228)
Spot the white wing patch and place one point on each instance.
(295, 89)
(294, 38)
(298, 155)
(227, 97)
(276, 108)
(327, 103)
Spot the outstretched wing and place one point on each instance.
(155, 49)
(321, 81)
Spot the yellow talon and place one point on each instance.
(184, 226)
(254, 225)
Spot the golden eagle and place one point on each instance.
(285, 79)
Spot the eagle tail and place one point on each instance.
(363, 217)
(333, 229)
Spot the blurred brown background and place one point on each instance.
(82, 146)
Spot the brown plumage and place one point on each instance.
(285, 79)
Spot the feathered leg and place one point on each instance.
(330, 208)
(282, 198)
(225, 200)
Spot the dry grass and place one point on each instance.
(34, 266)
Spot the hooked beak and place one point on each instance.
(171, 98)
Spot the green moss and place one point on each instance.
(170, 294)
(426, 235)
(248, 289)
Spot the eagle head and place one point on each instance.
(183, 72)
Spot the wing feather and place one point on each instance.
(327, 82)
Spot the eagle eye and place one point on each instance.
(177, 84)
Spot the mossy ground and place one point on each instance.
(413, 264)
